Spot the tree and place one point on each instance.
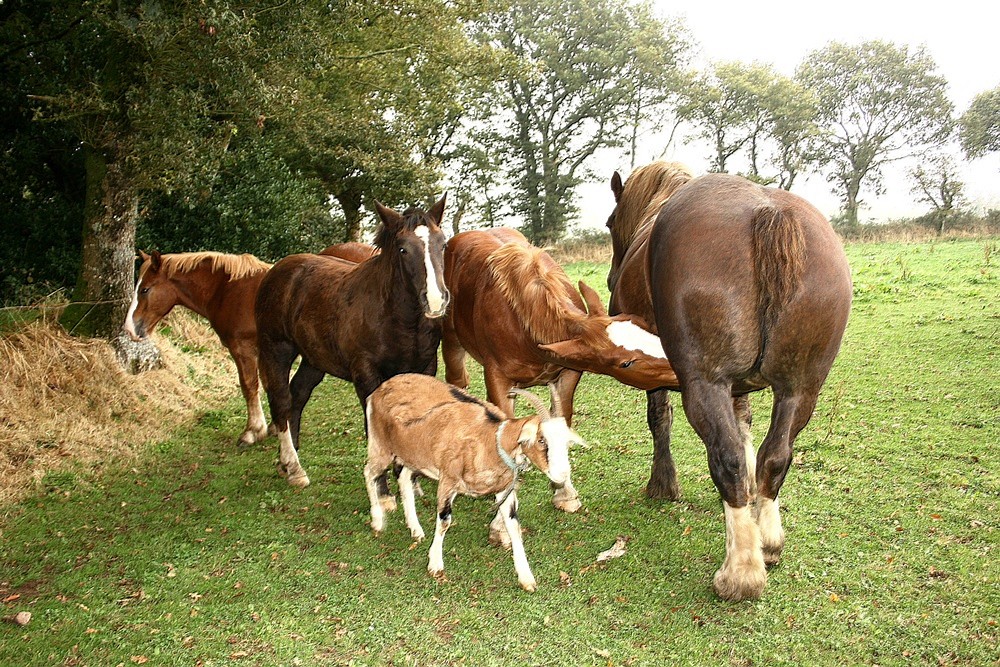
(878, 103)
(935, 182)
(979, 126)
(583, 67)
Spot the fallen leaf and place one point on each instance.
(564, 578)
(11, 598)
(834, 597)
(615, 551)
(140, 659)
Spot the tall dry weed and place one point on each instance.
(66, 401)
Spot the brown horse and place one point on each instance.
(749, 288)
(515, 311)
(221, 288)
(359, 322)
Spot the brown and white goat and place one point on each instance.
(468, 445)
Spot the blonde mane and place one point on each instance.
(646, 191)
(537, 292)
(236, 266)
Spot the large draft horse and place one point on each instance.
(222, 288)
(359, 322)
(749, 288)
(515, 311)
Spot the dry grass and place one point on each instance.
(66, 402)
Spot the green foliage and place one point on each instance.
(582, 69)
(878, 102)
(195, 552)
(979, 126)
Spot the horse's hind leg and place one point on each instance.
(660, 419)
(303, 382)
(709, 408)
(790, 415)
(275, 364)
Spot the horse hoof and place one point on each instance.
(299, 481)
(388, 503)
(657, 490)
(569, 506)
(499, 538)
(738, 585)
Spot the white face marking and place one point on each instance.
(435, 298)
(632, 337)
(129, 322)
(558, 435)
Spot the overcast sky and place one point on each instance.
(960, 35)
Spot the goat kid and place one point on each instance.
(465, 443)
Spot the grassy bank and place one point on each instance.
(195, 553)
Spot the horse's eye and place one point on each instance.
(628, 363)
(402, 251)
(144, 291)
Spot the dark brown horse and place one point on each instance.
(359, 322)
(221, 288)
(749, 288)
(515, 311)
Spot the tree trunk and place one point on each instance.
(104, 287)
(350, 204)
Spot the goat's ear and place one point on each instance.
(436, 212)
(389, 217)
(593, 300)
(529, 433)
(617, 186)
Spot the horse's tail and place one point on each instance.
(778, 257)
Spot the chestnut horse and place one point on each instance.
(359, 322)
(515, 311)
(749, 288)
(221, 288)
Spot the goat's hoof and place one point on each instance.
(418, 536)
(529, 586)
(499, 538)
(437, 574)
(388, 503)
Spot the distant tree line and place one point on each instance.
(271, 127)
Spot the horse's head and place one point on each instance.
(621, 346)
(415, 243)
(154, 296)
(637, 202)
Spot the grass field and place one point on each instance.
(199, 554)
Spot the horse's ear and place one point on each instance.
(157, 260)
(390, 218)
(143, 257)
(593, 300)
(617, 186)
(437, 211)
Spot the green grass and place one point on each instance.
(200, 554)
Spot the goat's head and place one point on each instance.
(546, 439)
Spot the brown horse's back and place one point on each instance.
(743, 276)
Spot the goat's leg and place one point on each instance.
(435, 563)
(565, 497)
(498, 532)
(405, 480)
(372, 472)
(366, 380)
(508, 511)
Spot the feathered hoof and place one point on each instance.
(388, 503)
(658, 490)
(299, 480)
(737, 585)
(568, 505)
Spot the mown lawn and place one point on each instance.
(199, 554)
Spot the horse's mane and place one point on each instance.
(537, 292)
(646, 191)
(236, 266)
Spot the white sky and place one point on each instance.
(960, 35)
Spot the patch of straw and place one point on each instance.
(66, 402)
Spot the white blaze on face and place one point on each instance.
(129, 323)
(632, 337)
(435, 298)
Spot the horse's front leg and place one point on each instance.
(244, 354)
(660, 419)
(709, 409)
(565, 497)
